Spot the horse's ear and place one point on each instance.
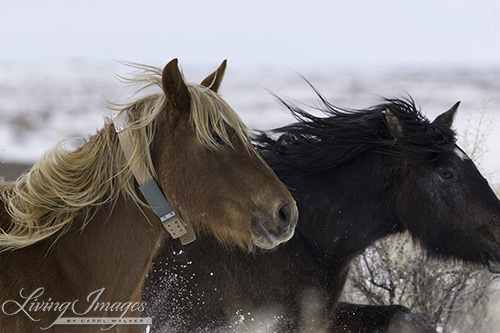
(213, 80)
(393, 124)
(446, 119)
(174, 87)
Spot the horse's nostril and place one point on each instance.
(284, 217)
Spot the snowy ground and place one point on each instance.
(41, 105)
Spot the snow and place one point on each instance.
(39, 106)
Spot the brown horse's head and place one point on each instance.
(209, 171)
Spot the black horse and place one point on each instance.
(357, 176)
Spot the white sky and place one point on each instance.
(283, 33)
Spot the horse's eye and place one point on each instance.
(218, 139)
(447, 175)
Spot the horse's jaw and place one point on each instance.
(267, 239)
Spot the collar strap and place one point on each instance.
(150, 189)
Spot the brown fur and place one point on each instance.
(107, 240)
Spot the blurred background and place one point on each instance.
(58, 59)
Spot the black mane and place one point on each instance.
(325, 142)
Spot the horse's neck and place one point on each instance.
(114, 250)
(344, 210)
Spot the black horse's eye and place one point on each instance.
(218, 139)
(447, 175)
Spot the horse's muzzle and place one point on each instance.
(269, 233)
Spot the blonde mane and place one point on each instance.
(67, 186)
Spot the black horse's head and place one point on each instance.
(441, 197)
(359, 175)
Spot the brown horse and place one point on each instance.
(77, 237)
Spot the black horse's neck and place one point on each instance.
(345, 209)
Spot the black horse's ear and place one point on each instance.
(213, 80)
(445, 119)
(393, 124)
(174, 87)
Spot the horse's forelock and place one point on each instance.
(421, 140)
(209, 116)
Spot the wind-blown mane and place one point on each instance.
(65, 186)
(346, 133)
